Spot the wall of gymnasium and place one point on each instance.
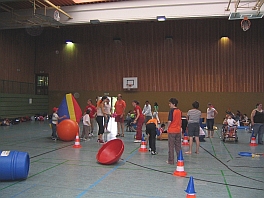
(186, 59)
(21, 105)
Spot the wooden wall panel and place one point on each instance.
(17, 55)
(173, 56)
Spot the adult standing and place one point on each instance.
(174, 130)
(120, 107)
(108, 114)
(257, 121)
(211, 114)
(147, 111)
(139, 120)
(100, 118)
(193, 117)
(92, 115)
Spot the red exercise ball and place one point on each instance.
(67, 130)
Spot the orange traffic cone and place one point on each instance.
(77, 143)
(180, 167)
(253, 141)
(185, 141)
(143, 146)
(190, 189)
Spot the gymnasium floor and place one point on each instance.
(59, 170)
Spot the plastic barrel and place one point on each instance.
(14, 165)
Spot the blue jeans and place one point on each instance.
(54, 130)
(258, 129)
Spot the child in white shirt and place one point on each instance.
(86, 126)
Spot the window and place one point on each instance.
(42, 84)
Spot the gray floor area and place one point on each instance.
(59, 170)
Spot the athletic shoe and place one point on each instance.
(154, 153)
(137, 141)
(149, 149)
(100, 141)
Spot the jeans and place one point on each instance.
(54, 130)
(258, 129)
(100, 121)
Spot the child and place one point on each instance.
(174, 130)
(161, 130)
(151, 127)
(54, 122)
(231, 122)
(86, 126)
(231, 125)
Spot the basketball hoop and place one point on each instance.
(245, 24)
(129, 86)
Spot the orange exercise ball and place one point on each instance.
(67, 130)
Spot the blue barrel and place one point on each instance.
(14, 165)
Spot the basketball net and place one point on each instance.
(129, 87)
(245, 24)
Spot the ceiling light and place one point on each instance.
(69, 42)
(94, 21)
(161, 18)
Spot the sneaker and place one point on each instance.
(84, 139)
(137, 141)
(149, 149)
(54, 139)
(92, 134)
(154, 153)
(100, 141)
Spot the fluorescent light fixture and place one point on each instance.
(69, 42)
(94, 21)
(83, 1)
(161, 18)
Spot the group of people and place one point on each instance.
(102, 111)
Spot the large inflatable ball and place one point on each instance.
(67, 130)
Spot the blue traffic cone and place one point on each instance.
(180, 166)
(190, 188)
(143, 137)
